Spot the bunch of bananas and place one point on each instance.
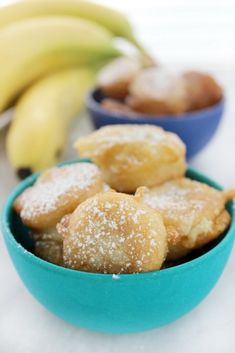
(50, 51)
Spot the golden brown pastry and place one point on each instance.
(202, 90)
(114, 79)
(134, 155)
(113, 233)
(49, 245)
(57, 192)
(117, 107)
(194, 213)
(156, 91)
(50, 251)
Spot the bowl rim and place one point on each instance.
(91, 103)
(174, 270)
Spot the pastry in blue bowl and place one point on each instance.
(190, 104)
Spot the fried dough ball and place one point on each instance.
(134, 155)
(202, 90)
(58, 191)
(50, 251)
(194, 213)
(155, 91)
(114, 79)
(113, 233)
(49, 245)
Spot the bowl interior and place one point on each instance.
(21, 234)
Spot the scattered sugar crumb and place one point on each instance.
(115, 276)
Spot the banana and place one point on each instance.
(42, 117)
(113, 20)
(35, 47)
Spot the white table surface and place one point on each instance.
(26, 327)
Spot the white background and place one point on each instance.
(181, 33)
(184, 32)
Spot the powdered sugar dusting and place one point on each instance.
(108, 137)
(119, 69)
(172, 198)
(135, 135)
(115, 276)
(157, 83)
(111, 235)
(185, 205)
(43, 197)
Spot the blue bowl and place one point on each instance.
(196, 129)
(116, 304)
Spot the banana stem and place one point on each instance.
(146, 58)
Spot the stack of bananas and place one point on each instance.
(49, 53)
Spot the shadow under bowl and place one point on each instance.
(116, 304)
(196, 129)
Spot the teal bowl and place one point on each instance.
(116, 304)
